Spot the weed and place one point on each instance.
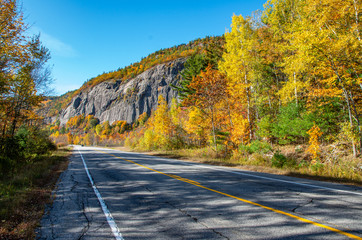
(278, 160)
(23, 195)
(316, 166)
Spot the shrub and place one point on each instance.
(24, 147)
(278, 160)
(265, 127)
(34, 141)
(316, 166)
(292, 124)
(256, 147)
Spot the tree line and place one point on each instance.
(24, 80)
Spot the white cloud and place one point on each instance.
(55, 45)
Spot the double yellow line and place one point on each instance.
(242, 200)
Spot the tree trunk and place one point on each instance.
(357, 120)
(356, 11)
(270, 106)
(213, 129)
(350, 120)
(248, 109)
(345, 93)
(295, 89)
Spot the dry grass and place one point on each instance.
(335, 165)
(343, 168)
(23, 197)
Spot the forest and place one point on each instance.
(282, 88)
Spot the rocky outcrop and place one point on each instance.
(121, 100)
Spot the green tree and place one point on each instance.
(193, 66)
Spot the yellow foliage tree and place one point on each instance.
(237, 65)
(314, 133)
(162, 122)
(239, 133)
(197, 125)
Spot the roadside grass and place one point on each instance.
(23, 195)
(290, 160)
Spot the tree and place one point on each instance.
(209, 91)
(197, 125)
(22, 70)
(327, 40)
(193, 66)
(162, 122)
(214, 51)
(237, 64)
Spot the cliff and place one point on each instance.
(126, 100)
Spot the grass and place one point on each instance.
(287, 160)
(23, 195)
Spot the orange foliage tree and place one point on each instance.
(210, 90)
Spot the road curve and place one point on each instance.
(109, 194)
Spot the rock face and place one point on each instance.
(127, 100)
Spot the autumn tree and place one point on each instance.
(237, 66)
(320, 42)
(210, 91)
(329, 40)
(23, 74)
(197, 126)
(282, 16)
(162, 122)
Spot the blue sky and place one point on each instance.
(89, 37)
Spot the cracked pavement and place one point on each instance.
(75, 212)
(148, 205)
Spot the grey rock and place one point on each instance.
(127, 100)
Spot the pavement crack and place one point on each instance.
(75, 183)
(85, 229)
(219, 233)
(195, 219)
(302, 205)
(149, 190)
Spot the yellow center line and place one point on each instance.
(243, 200)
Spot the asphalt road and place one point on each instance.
(109, 194)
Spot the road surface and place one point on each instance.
(109, 194)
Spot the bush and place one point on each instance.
(34, 142)
(23, 148)
(278, 160)
(256, 147)
(292, 124)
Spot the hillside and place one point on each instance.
(126, 100)
(53, 107)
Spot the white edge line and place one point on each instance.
(285, 181)
(255, 176)
(117, 234)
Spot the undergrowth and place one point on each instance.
(23, 195)
(291, 160)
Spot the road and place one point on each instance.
(109, 194)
